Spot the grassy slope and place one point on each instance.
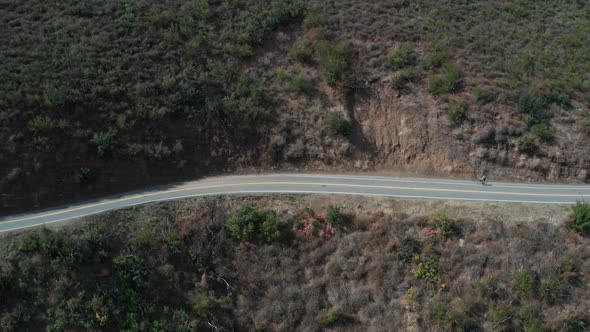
(176, 267)
(99, 96)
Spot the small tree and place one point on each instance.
(527, 145)
(402, 57)
(104, 142)
(269, 229)
(457, 112)
(581, 218)
(301, 51)
(243, 225)
(338, 124)
(335, 215)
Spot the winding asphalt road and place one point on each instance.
(312, 184)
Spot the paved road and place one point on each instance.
(310, 183)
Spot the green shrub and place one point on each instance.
(400, 81)
(282, 73)
(440, 312)
(301, 83)
(244, 224)
(445, 225)
(402, 57)
(335, 215)
(333, 317)
(449, 80)
(427, 268)
(542, 131)
(337, 124)
(581, 218)
(526, 282)
(436, 60)
(270, 229)
(41, 124)
(551, 289)
(500, 318)
(527, 103)
(336, 63)
(527, 145)
(86, 175)
(250, 225)
(574, 324)
(301, 52)
(104, 142)
(457, 112)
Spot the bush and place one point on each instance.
(526, 282)
(337, 124)
(401, 57)
(336, 63)
(41, 123)
(447, 81)
(270, 228)
(282, 73)
(244, 224)
(551, 290)
(542, 131)
(104, 142)
(335, 215)
(527, 145)
(333, 317)
(250, 225)
(301, 83)
(301, 52)
(86, 176)
(428, 268)
(581, 218)
(436, 60)
(400, 81)
(444, 224)
(457, 112)
(407, 250)
(574, 324)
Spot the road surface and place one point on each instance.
(312, 184)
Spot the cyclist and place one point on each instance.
(483, 180)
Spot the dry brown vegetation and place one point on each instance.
(102, 96)
(389, 265)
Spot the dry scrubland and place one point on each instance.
(306, 263)
(101, 96)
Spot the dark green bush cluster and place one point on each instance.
(301, 51)
(336, 62)
(542, 131)
(457, 111)
(402, 57)
(581, 218)
(526, 281)
(104, 143)
(527, 145)
(301, 83)
(449, 80)
(335, 215)
(250, 225)
(247, 97)
(338, 124)
(445, 225)
(333, 317)
(427, 267)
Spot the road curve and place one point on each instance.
(312, 184)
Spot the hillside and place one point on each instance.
(104, 96)
(307, 263)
